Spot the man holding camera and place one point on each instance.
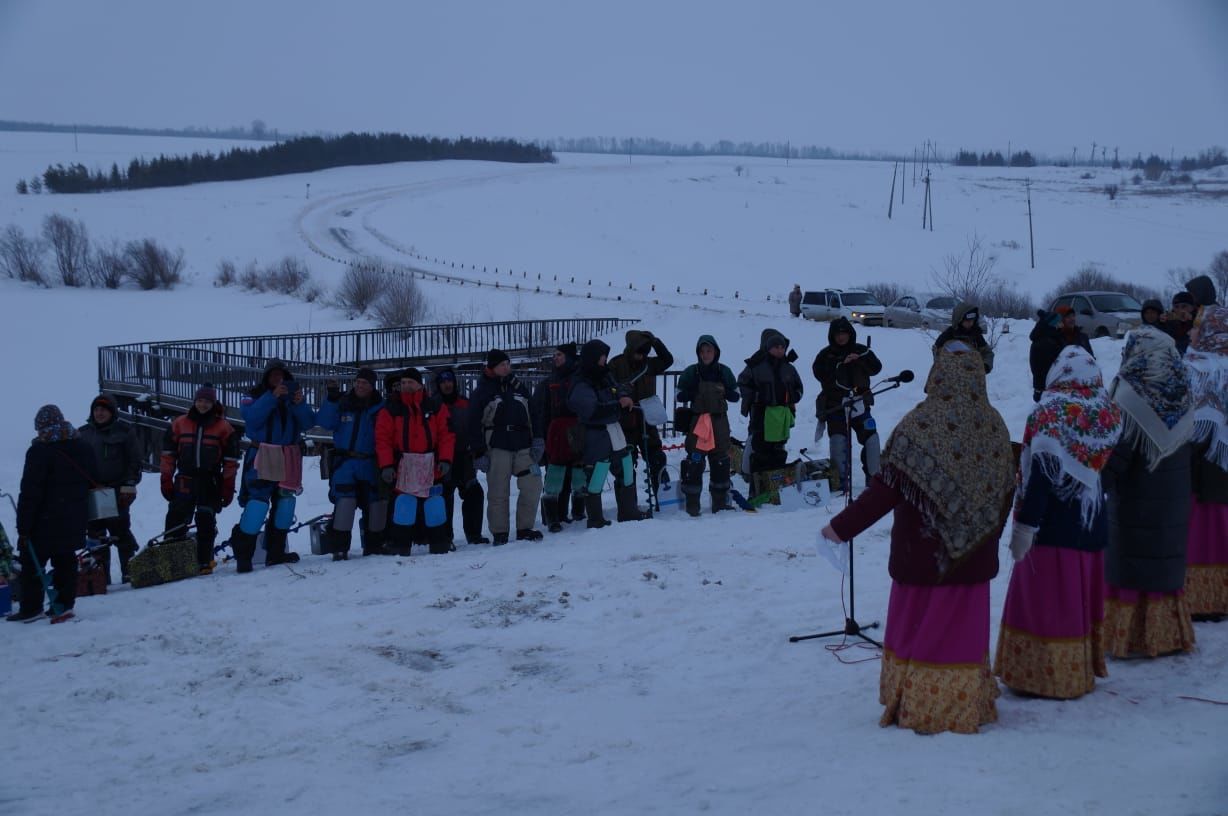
(844, 369)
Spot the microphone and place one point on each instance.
(904, 376)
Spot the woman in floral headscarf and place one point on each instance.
(1206, 569)
(1148, 482)
(1050, 643)
(947, 474)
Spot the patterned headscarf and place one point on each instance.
(1207, 363)
(951, 457)
(1071, 432)
(1153, 390)
(51, 426)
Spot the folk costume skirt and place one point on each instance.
(1206, 560)
(935, 675)
(1051, 638)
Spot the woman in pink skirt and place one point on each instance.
(1050, 643)
(1206, 569)
(1148, 482)
(947, 474)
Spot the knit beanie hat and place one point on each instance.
(206, 391)
(568, 349)
(445, 375)
(367, 374)
(1183, 297)
(495, 356)
(412, 373)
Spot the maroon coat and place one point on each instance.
(914, 551)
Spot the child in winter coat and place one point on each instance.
(708, 386)
(598, 402)
(966, 326)
(770, 388)
(563, 464)
(843, 369)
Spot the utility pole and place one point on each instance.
(1092, 159)
(895, 166)
(1031, 242)
(914, 167)
(927, 208)
(1074, 156)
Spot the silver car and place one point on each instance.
(926, 311)
(1102, 314)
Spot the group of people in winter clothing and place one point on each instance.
(1120, 508)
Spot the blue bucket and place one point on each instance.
(6, 599)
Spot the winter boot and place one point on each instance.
(25, 615)
(275, 548)
(339, 543)
(628, 510)
(529, 535)
(577, 507)
(500, 539)
(840, 459)
(550, 514)
(692, 482)
(592, 508)
(870, 457)
(244, 547)
(478, 539)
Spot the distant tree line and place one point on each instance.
(258, 130)
(724, 147)
(968, 158)
(302, 155)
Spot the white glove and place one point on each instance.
(1022, 537)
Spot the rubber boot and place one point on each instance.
(870, 457)
(577, 506)
(127, 549)
(244, 547)
(275, 548)
(550, 513)
(592, 508)
(692, 483)
(339, 543)
(840, 459)
(628, 510)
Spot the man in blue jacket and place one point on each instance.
(276, 415)
(352, 484)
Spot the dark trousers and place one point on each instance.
(765, 455)
(180, 512)
(119, 528)
(463, 480)
(63, 560)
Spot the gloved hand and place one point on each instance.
(388, 475)
(482, 462)
(168, 489)
(127, 495)
(745, 408)
(1022, 537)
(445, 470)
(537, 449)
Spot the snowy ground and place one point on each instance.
(644, 668)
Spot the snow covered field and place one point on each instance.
(644, 668)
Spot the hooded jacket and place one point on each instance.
(53, 508)
(837, 378)
(411, 423)
(974, 336)
(697, 383)
(501, 406)
(1202, 288)
(594, 400)
(117, 449)
(274, 420)
(639, 377)
(768, 381)
(1048, 340)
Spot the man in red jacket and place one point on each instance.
(200, 457)
(410, 427)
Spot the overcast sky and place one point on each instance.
(855, 74)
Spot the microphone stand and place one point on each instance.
(851, 626)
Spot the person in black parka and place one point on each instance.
(1053, 332)
(769, 384)
(118, 453)
(844, 368)
(52, 512)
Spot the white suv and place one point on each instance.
(858, 305)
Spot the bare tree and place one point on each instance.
(968, 275)
(108, 266)
(1091, 277)
(226, 273)
(1218, 270)
(886, 293)
(70, 242)
(22, 256)
(152, 266)
(359, 288)
(400, 303)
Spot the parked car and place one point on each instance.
(858, 305)
(1102, 314)
(926, 311)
